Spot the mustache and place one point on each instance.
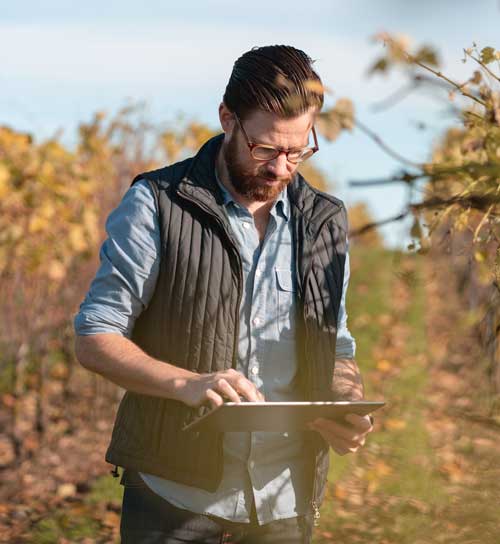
(273, 177)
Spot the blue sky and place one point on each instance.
(62, 61)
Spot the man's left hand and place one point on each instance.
(344, 437)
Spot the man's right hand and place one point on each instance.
(120, 360)
(215, 388)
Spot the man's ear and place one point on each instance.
(226, 118)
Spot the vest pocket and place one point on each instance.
(286, 293)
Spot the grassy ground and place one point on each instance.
(418, 480)
(93, 518)
(425, 475)
(385, 491)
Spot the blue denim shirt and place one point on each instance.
(265, 467)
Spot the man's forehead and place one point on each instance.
(266, 118)
(266, 124)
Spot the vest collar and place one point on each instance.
(200, 186)
(200, 183)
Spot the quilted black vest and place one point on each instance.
(192, 319)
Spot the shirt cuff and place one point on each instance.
(87, 323)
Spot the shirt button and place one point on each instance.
(254, 370)
(258, 273)
(246, 225)
(251, 464)
(256, 321)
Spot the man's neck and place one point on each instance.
(255, 207)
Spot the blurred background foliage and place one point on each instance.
(53, 204)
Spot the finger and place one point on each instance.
(362, 423)
(225, 389)
(336, 428)
(340, 445)
(213, 398)
(247, 389)
(331, 435)
(343, 450)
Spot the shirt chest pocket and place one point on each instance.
(286, 292)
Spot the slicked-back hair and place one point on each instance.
(275, 78)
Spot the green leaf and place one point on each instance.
(416, 229)
(427, 55)
(380, 66)
(487, 55)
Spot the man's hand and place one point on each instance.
(344, 437)
(120, 360)
(214, 388)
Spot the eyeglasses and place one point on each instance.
(264, 152)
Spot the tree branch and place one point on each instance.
(375, 224)
(477, 202)
(437, 73)
(454, 84)
(492, 74)
(397, 96)
(405, 177)
(378, 140)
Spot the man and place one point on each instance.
(224, 278)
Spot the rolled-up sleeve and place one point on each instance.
(346, 345)
(129, 265)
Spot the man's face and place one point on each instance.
(259, 180)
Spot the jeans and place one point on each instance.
(149, 519)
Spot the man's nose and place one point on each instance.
(279, 165)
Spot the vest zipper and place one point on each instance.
(314, 505)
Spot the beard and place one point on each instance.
(249, 183)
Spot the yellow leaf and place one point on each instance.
(340, 492)
(66, 490)
(382, 469)
(56, 271)
(38, 224)
(90, 223)
(384, 366)
(77, 239)
(4, 180)
(376, 473)
(480, 256)
(47, 210)
(316, 86)
(453, 470)
(394, 424)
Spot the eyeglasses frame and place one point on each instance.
(252, 145)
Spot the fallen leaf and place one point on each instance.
(384, 365)
(66, 490)
(394, 424)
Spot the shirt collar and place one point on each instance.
(283, 204)
(226, 195)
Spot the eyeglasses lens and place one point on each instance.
(263, 153)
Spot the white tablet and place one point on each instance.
(276, 416)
